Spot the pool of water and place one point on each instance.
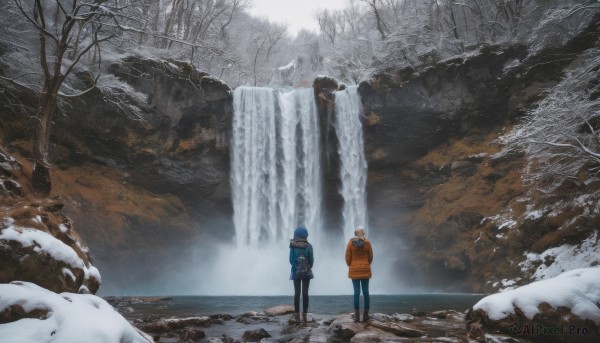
(185, 306)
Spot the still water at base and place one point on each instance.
(184, 306)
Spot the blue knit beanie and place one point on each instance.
(301, 232)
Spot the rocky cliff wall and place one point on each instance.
(141, 162)
(436, 170)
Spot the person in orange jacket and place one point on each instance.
(359, 255)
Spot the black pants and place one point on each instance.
(297, 284)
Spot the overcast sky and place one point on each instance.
(297, 14)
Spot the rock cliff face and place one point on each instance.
(172, 133)
(141, 161)
(436, 171)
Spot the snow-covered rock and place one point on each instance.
(563, 308)
(37, 241)
(33, 254)
(29, 313)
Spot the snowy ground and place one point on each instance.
(73, 318)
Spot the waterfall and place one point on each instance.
(353, 166)
(275, 165)
(276, 184)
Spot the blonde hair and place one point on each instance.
(359, 229)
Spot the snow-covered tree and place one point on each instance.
(561, 136)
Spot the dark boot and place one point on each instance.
(365, 316)
(356, 315)
(304, 319)
(297, 317)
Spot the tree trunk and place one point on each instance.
(47, 107)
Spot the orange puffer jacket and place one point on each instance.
(359, 255)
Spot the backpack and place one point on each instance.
(303, 270)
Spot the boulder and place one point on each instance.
(29, 313)
(343, 328)
(560, 309)
(440, 314)
(37, 241)
(325, 83)
(255, 335)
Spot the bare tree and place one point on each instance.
(379, 22)
(59, 26)
(265, 37)
(331, 23)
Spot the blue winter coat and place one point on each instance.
(300, 246)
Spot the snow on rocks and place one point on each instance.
(30, 313)
(31, 254)
(37, 241)
(563, 308)
(556, 260)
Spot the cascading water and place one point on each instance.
(276, 173)
(353, 166)
(276, 182)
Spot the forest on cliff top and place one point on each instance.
(221, 38)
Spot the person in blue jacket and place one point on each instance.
(301, 259)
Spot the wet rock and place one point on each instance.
(368, 337)
(190, 335)
(417, 313)
(255, 335)
(252, 317)
(325, 83)
(403, 317)
(162, 325)
(398, 329)
(221, 316)
(279, 310)
(220, 319)
(309, 319)
(381, 317)
(343, 328)
(319, 335)
(440, 314)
